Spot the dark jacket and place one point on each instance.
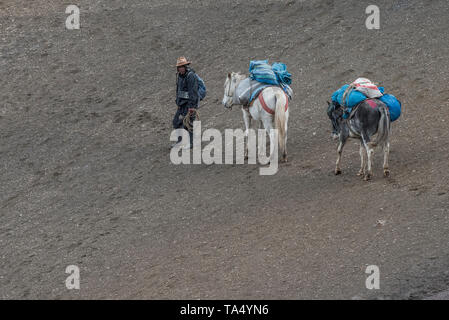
(187, 90)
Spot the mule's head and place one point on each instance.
(335, 114)
(229, 89)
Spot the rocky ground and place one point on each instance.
(86, 179)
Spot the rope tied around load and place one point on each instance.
(345, 94)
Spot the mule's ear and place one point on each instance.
(229, 75)
(328, 103)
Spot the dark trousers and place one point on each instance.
(178, 121)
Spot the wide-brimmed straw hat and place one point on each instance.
(182, 61)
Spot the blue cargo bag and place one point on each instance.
(352, 99)
(393, 104)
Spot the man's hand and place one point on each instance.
(192, 110)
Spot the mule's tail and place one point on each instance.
(383, 132)
(279, 119)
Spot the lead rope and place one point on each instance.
(187, 119)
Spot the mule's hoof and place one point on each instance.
(367, 177)
(337, 172)
(284, 160)
(361, 173)
(386, 173)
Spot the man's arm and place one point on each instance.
(192, 83)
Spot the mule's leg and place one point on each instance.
(268, 126)
(264, 128)
(370, 155)
(247, 120)
(386, 156)
(343, 137)
(341, 144)
(362, 160)
(284, 155)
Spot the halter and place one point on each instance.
(229, 88)
(227, 94)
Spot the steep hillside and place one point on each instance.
(86, 179)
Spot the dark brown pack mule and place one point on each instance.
(369, 117)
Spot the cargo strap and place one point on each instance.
(264, 104)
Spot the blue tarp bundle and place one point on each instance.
(352, 99)
(355, 97)
(276, 74)
(394, 105)
(282, 74)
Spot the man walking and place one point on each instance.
(187, 97)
